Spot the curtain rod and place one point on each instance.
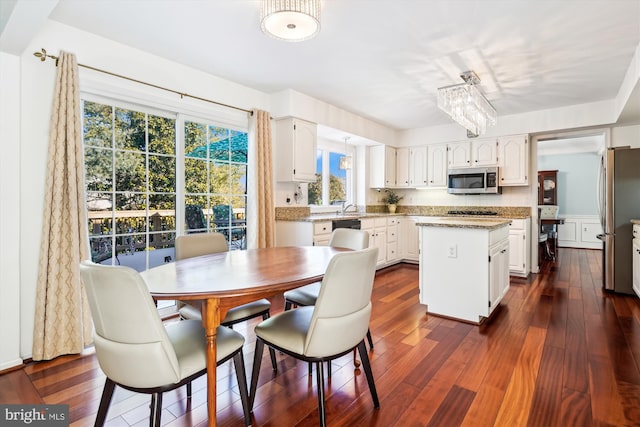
(43, 55)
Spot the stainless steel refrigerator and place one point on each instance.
(618, 203)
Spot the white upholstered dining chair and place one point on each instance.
(307, 295)
(137, 352)
(334, 326)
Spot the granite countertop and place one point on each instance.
(488, 224)
(334, 216)
(303, 213)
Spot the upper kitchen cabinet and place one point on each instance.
(459, 154)
(513, 160)
(403, 167)
(382, 166)
(437, 166)
(418, 167)
(476, 153)
(296, 142)
(547, 188)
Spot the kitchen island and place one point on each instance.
(464, 266)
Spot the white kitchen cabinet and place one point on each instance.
(635, 257)
(409, 246)
(464, 270)
(459, 154)
(475, 153)
(519, 247)
(513, 160)
(295, 147)
(382, 166)
(484, 152)
(392, 239)
(403, 167)
(377, 228)
(303, 233)
(437, 166)
(418, 167)
(498, 273)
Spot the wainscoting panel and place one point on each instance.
(579, 231)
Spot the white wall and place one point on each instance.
(626, 135)
(9, 211)
(577, 181)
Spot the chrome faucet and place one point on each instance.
(347, 206)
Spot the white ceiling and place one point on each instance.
(384, 59)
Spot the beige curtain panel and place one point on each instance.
(264, 204)
(62, 317)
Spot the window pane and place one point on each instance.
(162, 174)
(238, 179)
(195, 140)
(218, 143)
(130, 129)
(130, 171)
(162, 135)
(99, 169)
(194, 213)
(314, 193)
(239, 146)
(195, 176)
(162, 212)
(97, 125)
(219, 178)
(99, 213)
(337, 180)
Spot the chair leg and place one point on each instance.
(189, 390)
(105, 401)
(362, 349)
(156, 410)
(369, 339)
(320, 386)
(257, 361)
(238, 363)
(287, 305)
(272, 352)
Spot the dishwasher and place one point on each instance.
(346, 223)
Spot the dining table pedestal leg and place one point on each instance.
(211, 321)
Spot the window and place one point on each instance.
(333, 185)
(138, 202)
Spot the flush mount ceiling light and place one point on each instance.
(346, 161)
(290, 20)
(467, 105)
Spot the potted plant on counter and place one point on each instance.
(391, 200)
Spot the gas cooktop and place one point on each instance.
(473, 213)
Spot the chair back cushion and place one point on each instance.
(193, 245)
(349, 238)
(341, 315)
(131, 343)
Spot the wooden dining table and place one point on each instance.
(228, 279)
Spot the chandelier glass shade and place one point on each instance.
(467, 105)
(346, 161)
(290, 20)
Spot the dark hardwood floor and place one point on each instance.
(558, 352)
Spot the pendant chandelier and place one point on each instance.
(467, 105)
(290, 20)
(346, 161)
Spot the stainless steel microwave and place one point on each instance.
(473, 181)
